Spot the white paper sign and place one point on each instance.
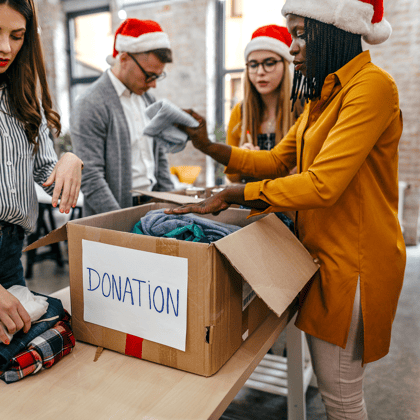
(136, 292)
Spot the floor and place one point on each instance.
(392, 385)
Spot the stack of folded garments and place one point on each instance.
(49, 339)
(187, 227)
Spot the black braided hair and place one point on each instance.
(328, 48)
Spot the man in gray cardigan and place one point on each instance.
(108, 120)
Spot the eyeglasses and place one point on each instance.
(150, 77)
(269, 64)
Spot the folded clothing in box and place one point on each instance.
(188, 227)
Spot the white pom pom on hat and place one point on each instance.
(362, 17)
(137, 36)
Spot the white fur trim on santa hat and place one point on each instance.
(353, 16)
(380, 32)
(111, 60)
(143, 43)
(269, 44)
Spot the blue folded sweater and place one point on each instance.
(182, 226)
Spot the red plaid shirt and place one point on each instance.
(42, 352)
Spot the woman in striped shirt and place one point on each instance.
(26, 150)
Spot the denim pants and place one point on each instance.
(339, 372)
(11, 242)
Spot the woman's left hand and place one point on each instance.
(219, 202)
(67, 175)
(214, 205)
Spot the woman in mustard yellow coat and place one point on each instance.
(345, 146)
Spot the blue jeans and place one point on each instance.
(11, 242)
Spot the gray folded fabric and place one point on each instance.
(163, 114)
(157, 223)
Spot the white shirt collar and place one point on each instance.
(119, 86)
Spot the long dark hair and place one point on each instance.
(26, 78)
(328, 48)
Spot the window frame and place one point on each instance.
(233, 7)
(221, 70)
(74, 81)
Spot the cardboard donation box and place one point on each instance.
(182, 304)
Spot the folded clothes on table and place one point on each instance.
(187, 227)
(163, 115)
(42, 352)
(35, 305)
(55, 312)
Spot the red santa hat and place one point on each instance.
(362, 17)
(137, 36)
(271, 38)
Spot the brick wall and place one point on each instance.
(47, 16)
(400, 56)
(53, 36)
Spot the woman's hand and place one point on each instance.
(218, 151)
(67, 175)
(198, 135)
(12, 314)
(249, 146)
(219, 202)
(214, 205)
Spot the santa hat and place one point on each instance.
(271, 38)
(137, 36)
(362, 17)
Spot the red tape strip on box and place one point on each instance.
(133, 346)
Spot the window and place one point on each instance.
(90, 40)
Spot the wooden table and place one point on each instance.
(121, 387)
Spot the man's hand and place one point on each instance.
(67, 175)
(12, 314)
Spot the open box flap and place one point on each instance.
(169, 197)
(271, 259)
(54, 236)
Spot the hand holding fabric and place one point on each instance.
(164, 120)
(13, 316)
(198, 135)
